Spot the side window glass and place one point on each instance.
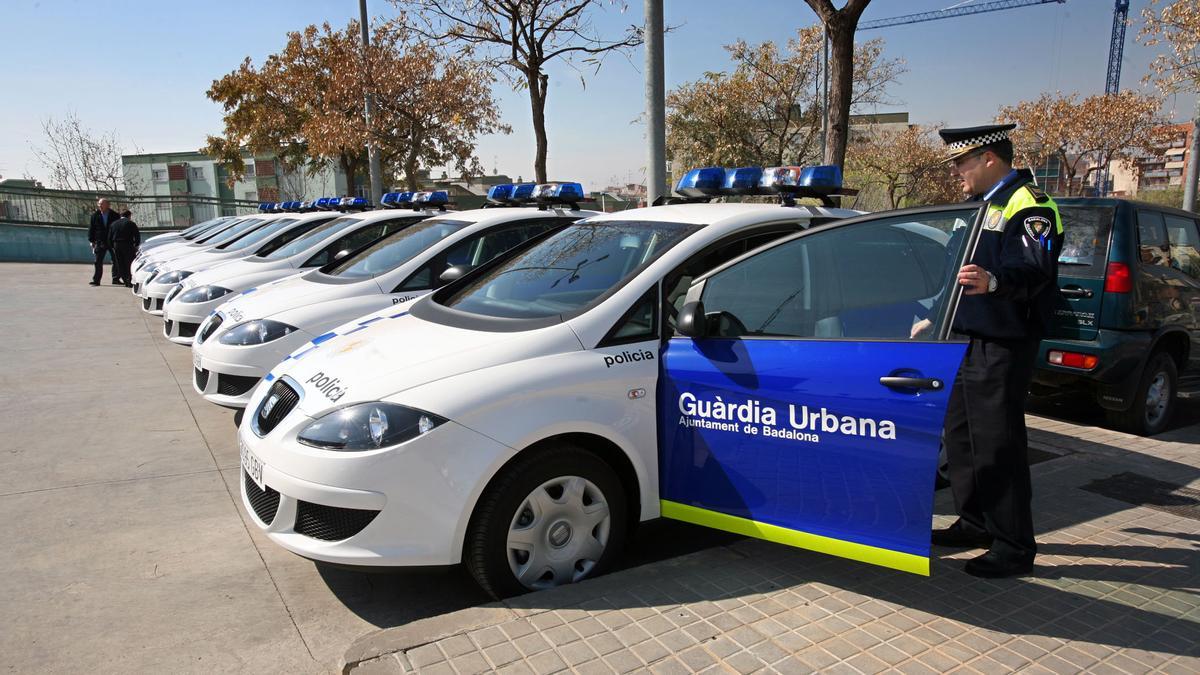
(349, 242)
(1152, 239)
(1185, 245)
(423, 277)
(638, 324)
(876, 279)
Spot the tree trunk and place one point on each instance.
(841, 83)
(410, 163)
(537, 82)
(348, 168)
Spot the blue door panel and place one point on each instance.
(737, 437)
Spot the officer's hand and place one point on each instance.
(920, 328)
(974, 279)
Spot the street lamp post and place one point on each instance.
(369, 103)
(656, 117)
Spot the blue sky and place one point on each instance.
(141, 68)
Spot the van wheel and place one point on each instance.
(556, 517)
(1154, 401)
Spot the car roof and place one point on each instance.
(709, 213)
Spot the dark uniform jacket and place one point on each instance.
(1020, 242)
(98, 230)
(124, 230)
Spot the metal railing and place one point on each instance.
(69, 208)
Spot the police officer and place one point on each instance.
(98, 238)
(124, 238)
(1009, 286)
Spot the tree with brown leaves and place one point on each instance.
(520, 38)
(1177, 26)
(1085, 136)
(908, 167)
(766, 112)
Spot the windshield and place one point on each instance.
(303, 243)
(232, 232)
(258, 236)
(570, 270)
(200, 228)
(391, 252)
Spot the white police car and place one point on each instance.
(632, 365)
(149, 265)
(277, 230)
(248, 335)
(202, 293)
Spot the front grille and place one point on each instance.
(329, 523)
(158, 305)
(167, 324)
(146, 304)
(137, 288)
(201, 378)
(285, 398)
(211, 328)
(235, 385)
(187, 330)
(264, 502)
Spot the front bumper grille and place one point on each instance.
(187, 330)
(137, 288)
(264, 502)
(167, 325)
(330, 523)
(201, 378)
(158, 302)
(146, 304)
(285, 398)
(235, 385)
(211, 328)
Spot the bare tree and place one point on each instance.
(520, 37)
(78, 158)
(840, 25)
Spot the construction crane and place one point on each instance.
(961, 11)
(1116, 49)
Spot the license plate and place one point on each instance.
(252, 465)
(196, 361)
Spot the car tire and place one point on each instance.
(1154, 399)
(557, 516)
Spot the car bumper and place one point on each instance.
(187, 318)
(154, 297)
(403, 506)
(226, 375)
(1111, 383)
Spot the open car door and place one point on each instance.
(794, 403)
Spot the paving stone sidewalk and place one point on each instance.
(1116, 590)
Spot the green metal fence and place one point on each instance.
(69, 208)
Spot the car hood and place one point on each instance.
(290, 293)
(395, 352)
(224, 272)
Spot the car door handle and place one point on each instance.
(902, 382)
(1076, 292)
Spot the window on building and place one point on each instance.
(250, 196)
(195, 173)
(250, 171)
(162, 213)
(159, 175)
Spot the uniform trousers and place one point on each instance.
(100, 252)
(123, 252)
(987, 446)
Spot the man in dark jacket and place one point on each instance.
(124, 239)
(98, 238)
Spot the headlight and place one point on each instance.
(367, 426)
(151, 268)
(204, 293)
(256, 332)
(173, 292)
(172, 277)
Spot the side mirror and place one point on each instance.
(453, 273)
(341, 254)
(691, 320)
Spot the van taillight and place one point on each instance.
(1117, 278)
(1072, 359)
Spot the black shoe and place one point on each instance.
(116, 282)
(959, 536)
(93, 283)
(992, 565)
(128, 285)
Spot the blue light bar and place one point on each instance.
(388, 198)
(743, 180)
(431, 198)
(352, 203)
(523, 192)
(823, 179)
(404, 197)
(501, 193)
(781, 178)
(264, 206)
(706, 182)
(307, 204)
(559, 192)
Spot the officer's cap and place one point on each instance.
(964, 141)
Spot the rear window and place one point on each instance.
(1085, 240)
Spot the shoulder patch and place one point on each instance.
(1037, 227)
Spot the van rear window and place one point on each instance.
(1085, 240)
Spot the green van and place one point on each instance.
(1126, 332)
